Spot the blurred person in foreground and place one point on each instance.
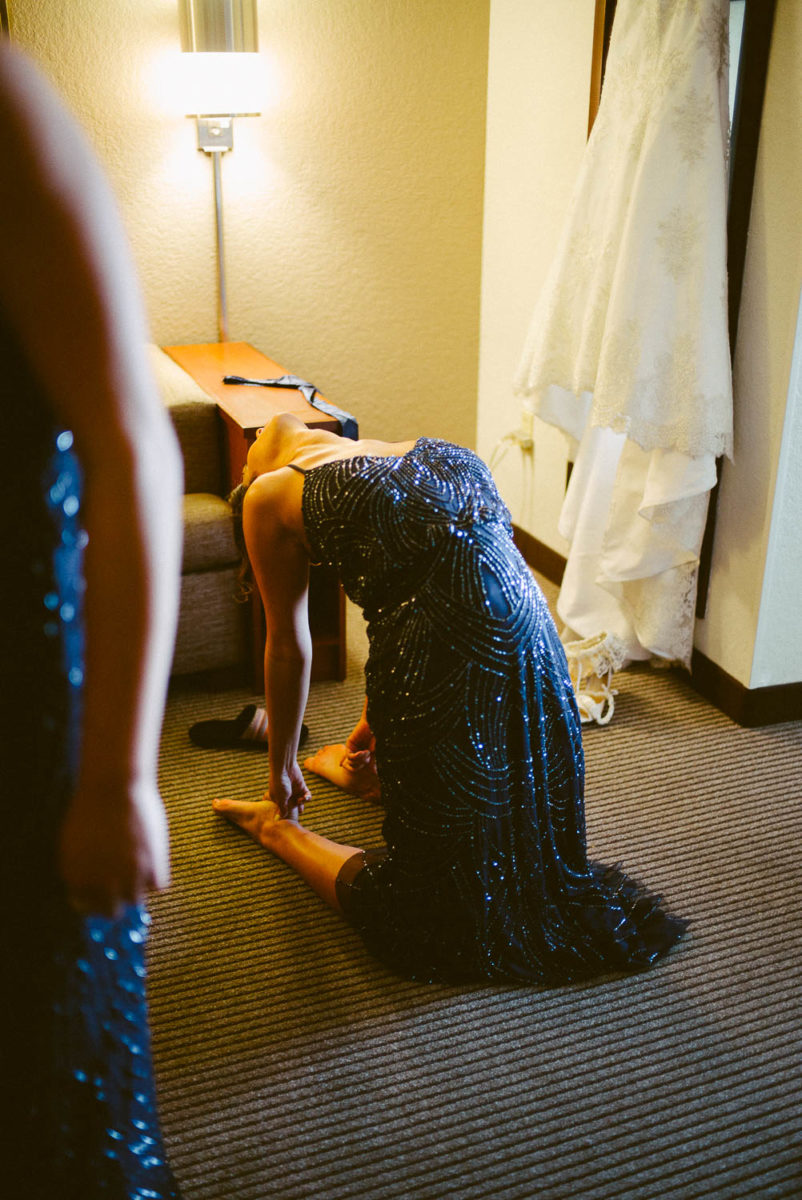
(90, 516)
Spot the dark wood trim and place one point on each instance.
(751, 707)
(602, 27)
(4, 18)
(539, 556)
(750, 93)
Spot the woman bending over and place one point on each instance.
(470, 732)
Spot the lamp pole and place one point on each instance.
(215, 137)
(222, 302)
(213, 27)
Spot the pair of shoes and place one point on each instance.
(247, 731)
(592, 662)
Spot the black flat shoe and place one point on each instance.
(248, 731)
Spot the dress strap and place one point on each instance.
(295, 467)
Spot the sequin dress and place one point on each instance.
(484, 873)
(81, 1122)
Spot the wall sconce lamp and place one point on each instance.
(220, 38)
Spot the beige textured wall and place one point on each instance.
(353, 204)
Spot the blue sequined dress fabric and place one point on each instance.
(484, 874)
(81, 1112)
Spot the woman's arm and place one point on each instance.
(281, 567)
(68, 288)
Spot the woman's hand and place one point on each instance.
(289, 792)
(360, 747)
(113, 848)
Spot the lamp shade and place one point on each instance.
(219, 26)
(232, 84)
(222, 73)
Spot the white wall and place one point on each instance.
(750, 573)
(353, 204)
(778, 642)
(537, 118)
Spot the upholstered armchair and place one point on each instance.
(214, 626)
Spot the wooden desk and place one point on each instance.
(244, 409)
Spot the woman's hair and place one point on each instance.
(245, 577)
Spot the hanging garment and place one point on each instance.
(628, 348)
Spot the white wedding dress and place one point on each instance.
(628, 348)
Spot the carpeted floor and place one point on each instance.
(291, 1065)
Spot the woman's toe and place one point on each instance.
(239, 811)
(221, 804)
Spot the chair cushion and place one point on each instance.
(196, 422)
(208, 533)
(212, 626)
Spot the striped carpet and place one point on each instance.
(291, 1065)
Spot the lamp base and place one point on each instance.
(215, 134)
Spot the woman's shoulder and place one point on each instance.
(375, 448)
(273, 500)
(269, 487)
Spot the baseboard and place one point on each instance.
(751, 707)
(539, 556)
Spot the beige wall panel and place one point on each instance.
(537, 115)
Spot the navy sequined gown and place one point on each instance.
(478, 745)
(81, 1116)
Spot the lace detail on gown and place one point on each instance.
(631, 322)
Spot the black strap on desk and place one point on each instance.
(348, 424)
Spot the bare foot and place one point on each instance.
(259, 818)
(329, 764)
